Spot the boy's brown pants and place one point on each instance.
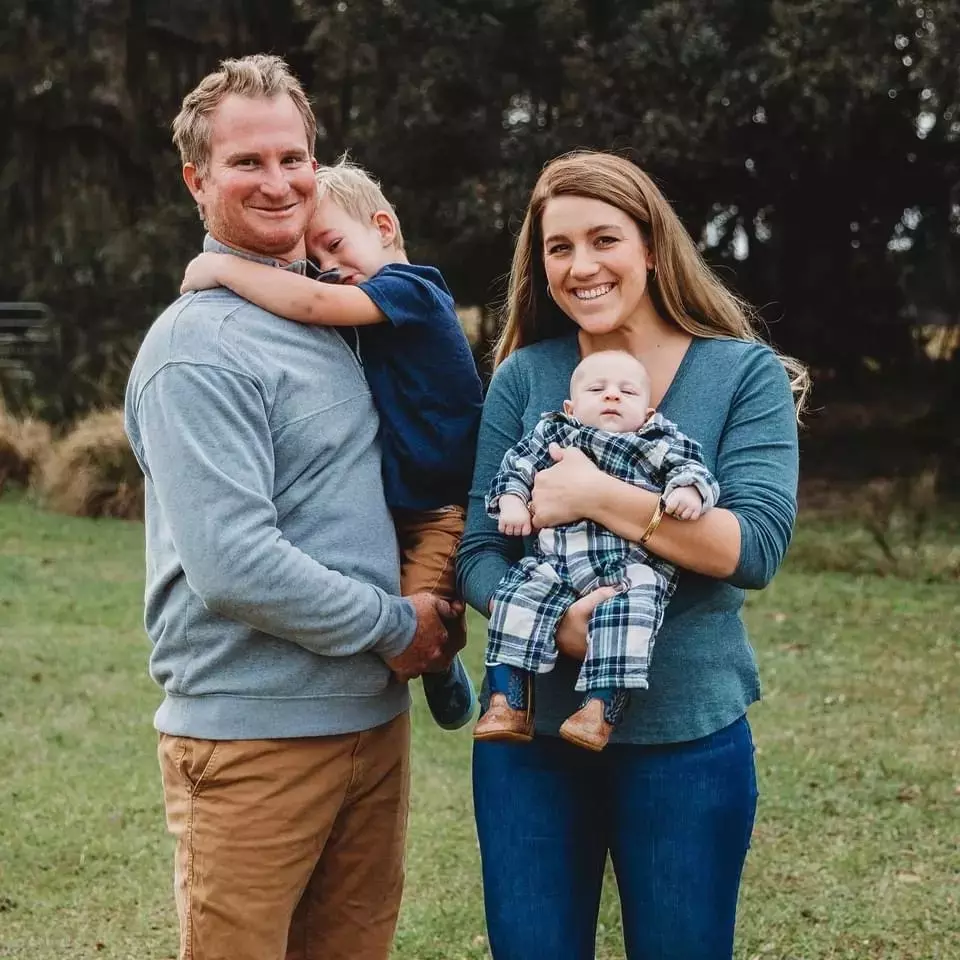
(288, 849)
(428, 552)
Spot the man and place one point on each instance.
(272, 573)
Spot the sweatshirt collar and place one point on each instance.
(304, 266)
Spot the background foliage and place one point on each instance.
(811, 144)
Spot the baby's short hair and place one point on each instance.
(592, 358)
(356, 192)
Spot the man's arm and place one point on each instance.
(205, 439)
(281, 292)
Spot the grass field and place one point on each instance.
(855, 853)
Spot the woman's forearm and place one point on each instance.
(709, 545)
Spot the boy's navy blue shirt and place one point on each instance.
(425, 384)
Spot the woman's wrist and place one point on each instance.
(605, 506)
(601, 499)
(655, 519)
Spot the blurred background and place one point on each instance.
(812, 147)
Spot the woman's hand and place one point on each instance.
(560, 492)
(201, 272)
(572, 629)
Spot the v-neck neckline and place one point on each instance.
(680, 373)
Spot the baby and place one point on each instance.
(417, 362)
(609, 418)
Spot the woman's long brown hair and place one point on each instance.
(684, 289)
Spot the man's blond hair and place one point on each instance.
(356, 192)
(260, 75)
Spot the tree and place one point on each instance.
(810, 145)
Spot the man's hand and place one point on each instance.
(684, 503)
(572, 629)
(514, 519)
(432, 648)
(201, 272)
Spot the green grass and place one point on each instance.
(855, 853)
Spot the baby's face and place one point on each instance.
(336, 241)
(610, 391)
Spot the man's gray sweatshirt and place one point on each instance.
(272, 568)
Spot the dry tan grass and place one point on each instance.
(92, 471)
(11, 465)
(24, 445)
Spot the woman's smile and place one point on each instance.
(594, 292)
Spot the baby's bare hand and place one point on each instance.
(201, 273)
(684, 503)
(514, 520)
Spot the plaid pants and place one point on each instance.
(570, 562)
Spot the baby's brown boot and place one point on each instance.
(503, 722)
(592, 724)
(510, 713)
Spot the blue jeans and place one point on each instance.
(675, 818)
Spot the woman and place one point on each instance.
(602, 262)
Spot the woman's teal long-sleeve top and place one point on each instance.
(733, 397)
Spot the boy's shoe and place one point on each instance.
(450, 696)
(509, 716)
(590, 727)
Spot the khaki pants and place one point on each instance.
(288, 849)
(428, 553)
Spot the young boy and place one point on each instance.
(419, 367)
(609, 418)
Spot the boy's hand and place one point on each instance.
(684, 503)
(514, 518)
(201, 272)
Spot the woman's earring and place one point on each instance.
(549, 292)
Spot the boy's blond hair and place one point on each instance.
(260, 75)
(356, 192)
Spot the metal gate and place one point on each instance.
(28, 339)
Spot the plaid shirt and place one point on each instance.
(571, 560)
(657, 457)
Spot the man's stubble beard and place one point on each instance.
(243, 237)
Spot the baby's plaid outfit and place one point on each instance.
(572, 560)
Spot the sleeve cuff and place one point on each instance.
(400, 626)
(513, 489)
